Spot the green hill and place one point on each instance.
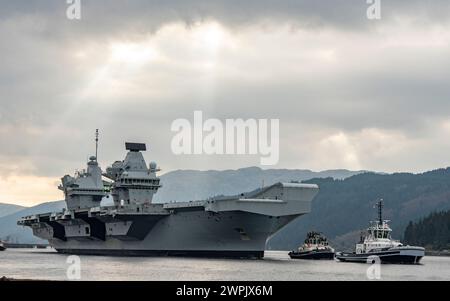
(346, 206)
(343, 207)
(433, 231)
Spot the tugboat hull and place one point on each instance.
(314, 255)
(396, 255)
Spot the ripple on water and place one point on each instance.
(49, 265)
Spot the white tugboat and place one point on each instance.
(378, 243)
(315, 247)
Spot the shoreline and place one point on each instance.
(444, 253)
(437, 253)
(8, 279)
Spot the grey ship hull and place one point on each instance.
(195, 233)
(222, 228)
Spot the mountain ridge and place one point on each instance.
(178, 185)
(343, 207)
(7, 209)
(346, 206)
(181, 185)
(10, 231)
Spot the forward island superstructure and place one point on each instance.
(234, 226)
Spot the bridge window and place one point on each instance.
(87, 230)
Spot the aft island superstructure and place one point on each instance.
(235, 226)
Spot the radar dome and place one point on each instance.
(153, 165)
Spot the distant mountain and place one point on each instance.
(6, 209)
(187, 185)
(10, 231)
(183, 185)
(344, 207)
(341, 210)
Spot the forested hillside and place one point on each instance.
(433, 231)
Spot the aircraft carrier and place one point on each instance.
(235, 226)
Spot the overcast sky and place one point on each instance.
(349, 92)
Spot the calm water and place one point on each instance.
(47, 264)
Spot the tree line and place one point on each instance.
(431, 232)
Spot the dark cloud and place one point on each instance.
(400, 88)
(142, 16)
